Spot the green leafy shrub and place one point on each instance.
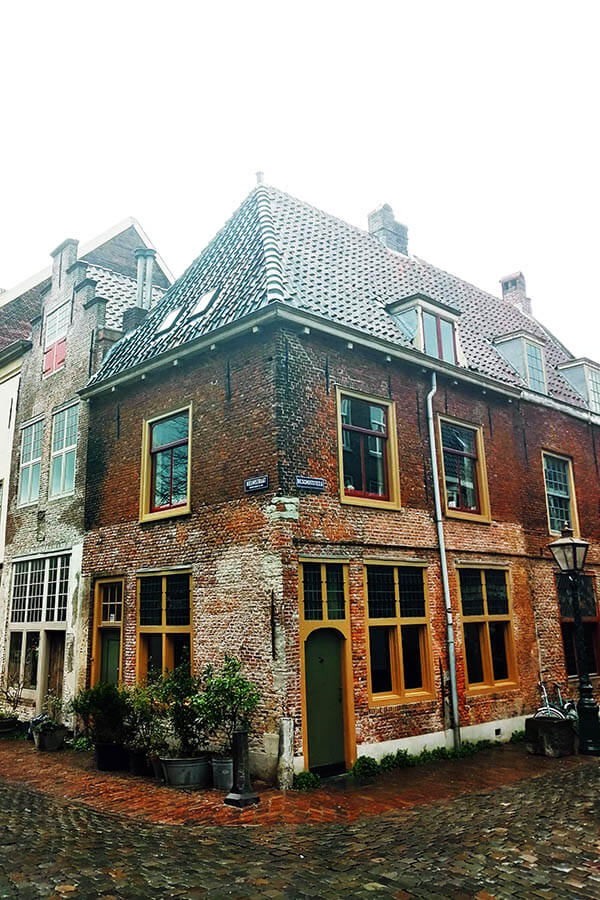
(517, 737)
(388, 762)
(365, 769)
(228, 702)
(146, 720)
(102, 710)
(80, 744)
(178, 693)
(306, 781)
(404, 759)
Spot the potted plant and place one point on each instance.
(11, 692)
(103, 711)
(145, 726)
(229, 701)
(49, 733)
(185, 764)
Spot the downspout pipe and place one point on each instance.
(443, 564)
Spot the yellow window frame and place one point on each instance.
(145, 513)
(481, 473)
(141, 664)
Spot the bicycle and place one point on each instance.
(560, 709)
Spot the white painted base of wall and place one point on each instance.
(499, 730)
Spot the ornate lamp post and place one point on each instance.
(569, 554)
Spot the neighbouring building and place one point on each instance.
(266, 453)
(77, 309)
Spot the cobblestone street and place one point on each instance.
(539, 838)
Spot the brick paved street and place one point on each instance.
(538, 838)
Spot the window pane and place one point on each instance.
(352, 461)
(162, 479)
(594, 389)
(589, 638)
(380, 592)
(26, 444)
(180, 469)
(180, 644)
(459, 438)
(153, 646)
(381, 666)
(313, 603)
(169, 431)
(34, 487)
(430, 334)
(55, 475)
(71, 426)
(447, 333)
(556, 473)
(178, 599)
(587, 599)
(51, 589)
(19, 598)
(498, 647)
(568, 638)
(32, 647)
(461, 482)
(375, 465)
(535, 366)
(14, 656)
(69, 476)
(63, 589)
(36, 591)
(411, 656)
(58, 431)
(335, 592)
(473, 652)
(471, 592)
(411, 591)
(24, 486)
(112, 602)
(151, 601)
(497, 593)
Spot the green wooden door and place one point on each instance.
(111, 652)
(324, 702)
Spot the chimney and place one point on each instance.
(133, 317)
(145, 267)
(514, 290)
(384, 227)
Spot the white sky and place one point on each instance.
(477, 122)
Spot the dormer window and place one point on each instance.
(525, 353)
(431, 326)
(584, 377)
(168, 321)
(203, 303)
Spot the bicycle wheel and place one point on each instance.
(549, 712)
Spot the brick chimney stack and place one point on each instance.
(515, 291)
(384, 227)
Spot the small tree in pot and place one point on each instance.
(49, 733)
(11, 694)
(186, 764)
(146, 729)
(103, 712)
(228, 702)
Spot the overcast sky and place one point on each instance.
(477, 122)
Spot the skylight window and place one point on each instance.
(203, 303)
(169, 320)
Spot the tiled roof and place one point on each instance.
(277, 247)
(16, 316)
(119, 291)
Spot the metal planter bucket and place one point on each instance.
(50, 740)
(188, 773)
(222, 770)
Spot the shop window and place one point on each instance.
(368, 451)
(487, 628)
(398, 634)
(31, 457)
(560, 494)
(166, 466)
(591, 623)
(164, 623)
(464, 472)
(64, 448)
(57, 323)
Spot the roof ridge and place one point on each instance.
(272, 252)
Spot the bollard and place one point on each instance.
(241, 793)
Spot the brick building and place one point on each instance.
(75, 312)
(344, 465)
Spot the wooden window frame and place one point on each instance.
(489, 685)
(526, 343)
(438, 331)
(100, 626)
(484, 513)
(399, 695)
(45, 583)
(391, 462)
(305, 628)
(162, 629)
(147, 514)
(574, 523)
(62, 452)
(55, 351)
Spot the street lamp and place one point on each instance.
(569, 554)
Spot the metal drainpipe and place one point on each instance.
(443, 564)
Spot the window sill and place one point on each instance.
(487, 689)
(370, 503)
(165, 514)
(383, 700)
(481, 518)
(60, 496)
(46, 375)
(27, 505)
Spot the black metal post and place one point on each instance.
(241, 793)
(587, 708)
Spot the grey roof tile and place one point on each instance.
(119, 291)
(334, 270)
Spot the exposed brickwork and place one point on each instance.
(275, 414)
